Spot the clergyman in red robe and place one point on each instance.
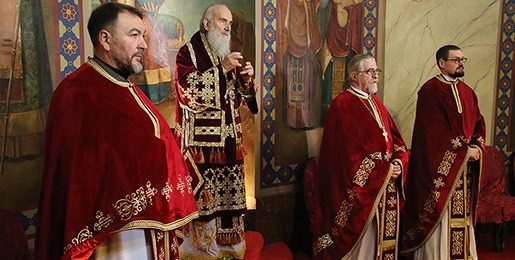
(362, 162)
(443, 179)
(113, 171)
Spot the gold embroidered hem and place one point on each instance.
(386, 215)
(460, 218)
(388, 223)
(164, 245)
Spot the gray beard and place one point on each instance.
(131, 68)
(136, 68)
(219, 44)
(373, 89)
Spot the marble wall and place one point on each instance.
(415, 29)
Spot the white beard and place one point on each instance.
(373, 89)
(137, 68)
(220, 44)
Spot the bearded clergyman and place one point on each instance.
(212, 82)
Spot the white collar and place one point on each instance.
(448, 79)
(360, 92)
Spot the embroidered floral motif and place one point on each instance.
(391, 223)
(83, 235)
(335, 232)
(103, 222)
(376, 156)
(343, 214)
(431, 201)
(398, 148)
(180, 186)
(135, 202)
(167, 189)
(447, 161)
(189, 179)
(322, 243)
(201, 89)
(389, 256)
(415, 231)
(456, 142)
(423, 218)
(175, 246)
(412, 233)
(438, 182)
(457, 242)
(387, 155)
(458, 206)
(365, 168)
(224, 189)
(352, 193)
(392, 201)
(150, 192)
(391, 186)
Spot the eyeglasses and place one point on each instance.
(371, 72)
(458, 60)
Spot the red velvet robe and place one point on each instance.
(108, 167)
(352, 147)
(441, 137)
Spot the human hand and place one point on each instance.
(150, 7)
(396, 170)
(474, 154)
(248, 71)
(231, 61)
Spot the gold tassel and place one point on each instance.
(223, 157)
(194, 154)
(212, 156)
(240, 152)
(206, 194)
(201, 159)
(198, 157)
(228, 238)
(218, 157)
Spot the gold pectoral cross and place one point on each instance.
(385, 134)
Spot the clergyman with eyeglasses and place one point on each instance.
(362, 161)
(441, 189)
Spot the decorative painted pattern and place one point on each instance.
(70, 43)
(505, 77)
(370, 30)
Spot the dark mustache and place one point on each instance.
(140, 52)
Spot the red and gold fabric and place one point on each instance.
(360, 143)
(209, 130)
(111, 164)
(448, 122)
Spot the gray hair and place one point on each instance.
(208, 15)
(356, 64)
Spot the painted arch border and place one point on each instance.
(504, 81)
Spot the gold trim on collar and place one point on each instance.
(455, 92)
(91, 62)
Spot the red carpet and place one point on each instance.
(486, 248)
(279, 251)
